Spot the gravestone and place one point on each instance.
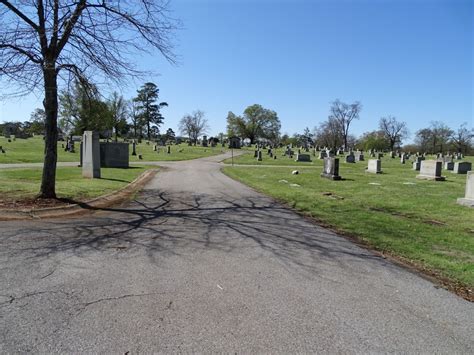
(259, 155)
(462, 167)
(468, 199)
(168, 149)
(350, 158)
(204, 141)
(374, 166)
(303, 157)
(255, 153)
(322, 154)
(359, 156)
(134, 148)
(91, 155)
(417, 163)
(448, 165)
(379, 156)
(114, 155)
(331, 168)
(402, 158)
(430, 170)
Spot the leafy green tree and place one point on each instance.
(374, 140)
(148, 108)
(170, 135)
(256, 123)
(37, 119)
(82, 109)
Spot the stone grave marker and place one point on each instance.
(259, 155)
(374, 166)
(303, 157)
(462, 167)
(91, 155)
(114, 155)
(430, 170)
(468, 199)
(331, 168)
(350, 158)
(448, 165)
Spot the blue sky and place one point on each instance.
(411, 59)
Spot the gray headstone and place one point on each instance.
(331, 168)
(430, 170)
(114, 155)
(350, 158)
(462, 167)
(259, 155)
(468, 199)
(448, 165)
(374, 166)
(303, 157)
(91, 155)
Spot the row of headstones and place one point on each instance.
(430, 170)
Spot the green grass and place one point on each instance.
(419, 221)
(178, 152)
(31, 151)
(18, 184)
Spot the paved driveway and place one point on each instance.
(201, 263)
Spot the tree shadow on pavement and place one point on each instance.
(162, 225)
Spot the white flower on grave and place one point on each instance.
(295, 172)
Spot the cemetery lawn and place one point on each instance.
(24, 184)
(31, 151)
(178, 152)
(416, 221)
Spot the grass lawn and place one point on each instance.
(31, 151)
(178, 152)
(393, 212)
(19, 184)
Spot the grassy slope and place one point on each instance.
(25, 183)
(419, 221)
(31, 151)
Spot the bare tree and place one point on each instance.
(43, 43)
(329, 134)
(118, 111)
(393, 130)
(344, 114)
(462, 138)
(193, 125)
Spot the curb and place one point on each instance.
(107, 200)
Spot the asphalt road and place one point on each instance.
(201, 263)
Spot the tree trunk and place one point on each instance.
(48, 181)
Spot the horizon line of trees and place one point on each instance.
(82, 109)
